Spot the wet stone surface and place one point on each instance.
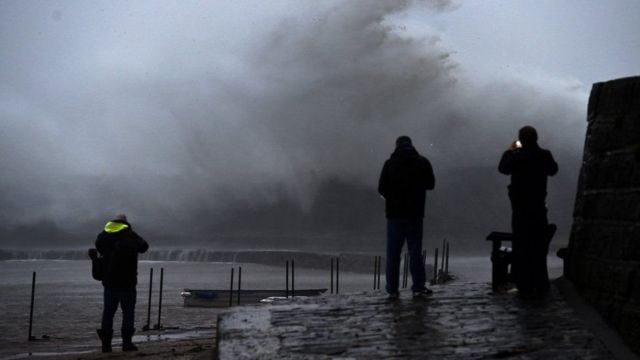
(460, 321)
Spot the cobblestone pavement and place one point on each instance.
(460, 321)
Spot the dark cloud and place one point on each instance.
(207, 122)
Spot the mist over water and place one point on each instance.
(245, 124)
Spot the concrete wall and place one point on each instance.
(604, 247)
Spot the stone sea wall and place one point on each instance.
(604, 248)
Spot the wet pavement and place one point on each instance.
(460, 321)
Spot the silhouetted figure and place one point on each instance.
(405, 178)
(119, 245)
(529, 166)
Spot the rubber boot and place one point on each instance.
(127, 345)
(105, 336)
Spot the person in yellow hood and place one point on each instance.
(119, 245)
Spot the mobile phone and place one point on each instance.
(518, 144)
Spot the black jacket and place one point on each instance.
(120, 245)
(405, 178)
(529, 168)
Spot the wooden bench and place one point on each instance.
(501, 257)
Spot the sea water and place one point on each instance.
(68, 302)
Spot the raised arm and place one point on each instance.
(101, 245)
(142, 245)
(506, 163)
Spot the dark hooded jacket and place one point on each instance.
(529, 168)
(406, 176)
(120, 245)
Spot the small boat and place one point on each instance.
(225, 298)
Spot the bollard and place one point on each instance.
(286, 291)
(159, 324)
(33, 292)
(239, 282)
(446, 266)
(293, 279)
(231, 289)
(337, 275)
(148, 326)
(435, 267)
(332, 275)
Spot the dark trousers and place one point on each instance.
(126, 298)
(399, 231)
(530, 245)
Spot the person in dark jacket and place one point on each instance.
(119, 246)
(406, 176)
(529, 166)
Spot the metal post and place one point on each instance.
(149, 302)
(405, 274)
(332, 275)
(435, 267)
(406, 277)
(379, 266)
(239, 282)
(33, 292)
(286, 291)
(401, 285)
(446, 266)
(378, 274)
(293, 279)
(403, 270)
(159, 325)
(375, 271)
(444, 245)
(231, 289)
(337, 275)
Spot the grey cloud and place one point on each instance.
(194, 121)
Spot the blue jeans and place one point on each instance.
(127, 300)
(399, 230)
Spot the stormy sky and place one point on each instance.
(266, 123)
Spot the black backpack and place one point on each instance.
(97, 264)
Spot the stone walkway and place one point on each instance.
(460, 321)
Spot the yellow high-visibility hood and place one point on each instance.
(113, 227)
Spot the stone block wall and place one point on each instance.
(604, 248)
